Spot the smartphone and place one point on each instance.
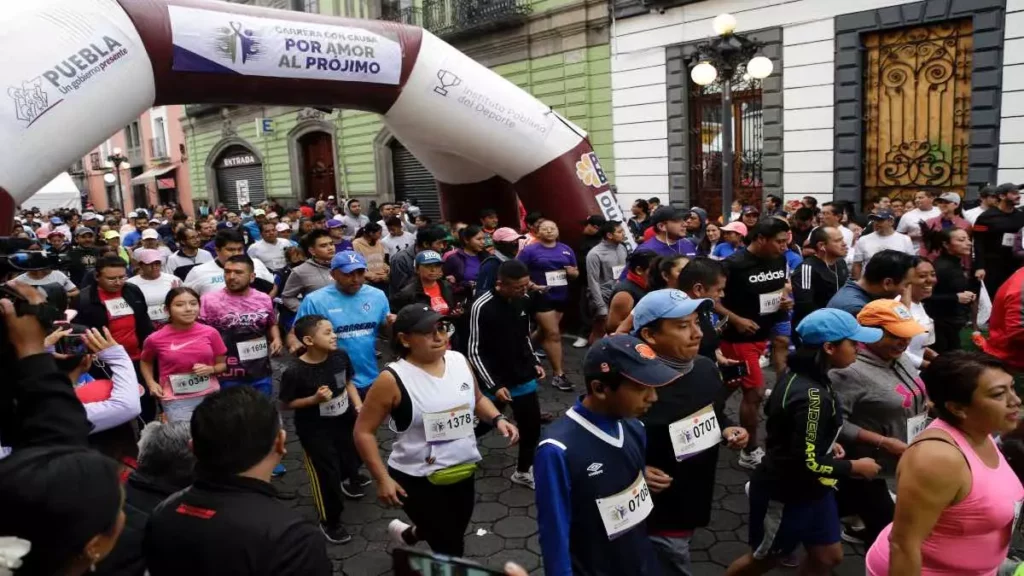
(416, 562)
(734, 371)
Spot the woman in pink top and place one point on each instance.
(957, 499)
(188, 354)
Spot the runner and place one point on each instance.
(883, 238)
(429, 287)
(592, 499)
(154, 284)
(431, 396)
(189, 254)
(955, 288)
(627, 292)
(733, 235)
(668, 240)
(924, 210)
(551, 264)
(684, 427)
(355, 310)
(403, 263)
(318, 387)
(189, 355)
(792, 498)
(151, 241)
(605, 264)
(887, 276)
(822, 272)
(82, 257)
(994, 233)
(368, 244)
(210, 276)
(753, 303)
(311, 275)
(270, 248)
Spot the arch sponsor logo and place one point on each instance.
(767, 276)
(589, 171)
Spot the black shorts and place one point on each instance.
(539, 302)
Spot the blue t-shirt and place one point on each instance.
(131, 239)
(541, 260)
(355, 319)
(722, 251)
(793, 260)
(682, 246)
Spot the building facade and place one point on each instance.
(557, 50)
(155, 168)
(868, 98)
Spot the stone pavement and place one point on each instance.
(507, 515)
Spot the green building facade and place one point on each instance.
(557, 50)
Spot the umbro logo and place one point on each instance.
(595, 468)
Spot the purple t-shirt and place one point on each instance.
(243, 322)
(547, 267)
(683, 247)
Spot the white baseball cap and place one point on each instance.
(150, 234)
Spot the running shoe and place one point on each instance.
(336, 534)
(352, 490)
(395, 530)
(523, 479)
(540, 353)
(790, 561)
(853, 536)
(361, 479)
(764, 361)
(580, 343)
(750, 460)
(561, 382)
(279, 471)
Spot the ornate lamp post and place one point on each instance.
(116, 159)
(721, 57)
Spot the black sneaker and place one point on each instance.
(351, 490)
(561, 382)
(360, 480)
(336, 534)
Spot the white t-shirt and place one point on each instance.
(210, 276)
(394, 244)
(54, 277)
(271, 254)
(870, 244)
(177, 260)
(155, 292)
(915, 351)
(972, 214)
(910, 223)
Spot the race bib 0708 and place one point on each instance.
(556, 278)
(117, 307)
(189, 383)
(448, 425)
(621, 512)
(252, 349)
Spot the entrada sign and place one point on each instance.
(243, 160)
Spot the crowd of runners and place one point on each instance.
(890, 409)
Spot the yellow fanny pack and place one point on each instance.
(452, 474)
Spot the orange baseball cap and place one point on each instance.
(891, 316)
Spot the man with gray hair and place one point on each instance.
(165, 466)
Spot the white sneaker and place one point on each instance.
(580, 343)
(523, 479)
(395, 529)
(746, 489)
(764, 361)
(750, 460)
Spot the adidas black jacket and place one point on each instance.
(499, 347)
(814, 284)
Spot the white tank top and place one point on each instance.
(411, 453)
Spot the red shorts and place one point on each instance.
(750, 353)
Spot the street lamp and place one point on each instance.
(719, 59)
(116, 159)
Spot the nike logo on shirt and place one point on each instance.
(176, 347)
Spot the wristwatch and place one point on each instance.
(497, 419)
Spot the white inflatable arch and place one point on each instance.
(76, 71)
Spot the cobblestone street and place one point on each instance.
(507, 515)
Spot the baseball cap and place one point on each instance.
(332, 223)
(109, 234)
(84, 230)
(146, 256)
(737, 227)
(259, 212)
(428, 257)
(416, 318)
(951, 197)
(155, 221)
(505, 235)
(56, 221)
(891, 316)
(90, 216)
(595, 220)
(881, 215)
(750, 210)
(665, 303)
(348, 261)
(150, 234)
(272, 216)
(831, 325)
(666, 214)
(628, 357)
(55, 232)
(282, 227)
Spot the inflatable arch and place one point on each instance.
(76, 71)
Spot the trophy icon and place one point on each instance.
(447, 80)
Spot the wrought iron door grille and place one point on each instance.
(452, 18)
(705, 113)
(395, 13)
(917, 114)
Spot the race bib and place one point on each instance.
(189, 383)
(1008, 239)
(117, 307)
(695, 433)
(770, 302)
(617, 270)
(622, 511)
(556, 278)
(252, 349)
(156, 313)
(336, 406)
(916, 425)
(448, 425)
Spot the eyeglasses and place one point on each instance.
(442, 326)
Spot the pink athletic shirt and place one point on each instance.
(972, 537)
(177, 350)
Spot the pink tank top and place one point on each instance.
(972, 537)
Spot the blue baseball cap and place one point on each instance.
(665, 303)
(348, 262)
(56, 221)
(332, 223)
(628, 357)
(832, 325)
(428, 257)
(882, 215)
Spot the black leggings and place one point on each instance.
(869, 499)
(440, 513)
(947, 336)
(526, 411)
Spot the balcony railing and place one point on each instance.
(134, 155)
(95, 161)
(409, 15)
(158, 148)
(457, 18)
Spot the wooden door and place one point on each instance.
(917, 109)
(318, 158)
